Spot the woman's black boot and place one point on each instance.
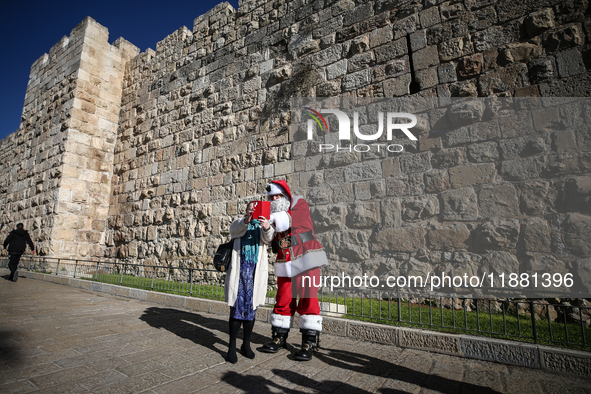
(247, 325)
(234, 328)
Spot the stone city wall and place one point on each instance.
(204, 125)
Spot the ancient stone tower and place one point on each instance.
(149, 156)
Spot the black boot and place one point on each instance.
(247, 325)
(234, 328)
(310, 343)
(279, 340)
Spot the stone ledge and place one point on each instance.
(373, 332)
(428, 340)
(505, 352)
(564, 361)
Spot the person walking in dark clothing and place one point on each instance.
(17, 242)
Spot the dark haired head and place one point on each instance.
(20, 226)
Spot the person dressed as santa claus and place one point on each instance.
(297, 268)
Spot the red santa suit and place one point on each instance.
(299, 258)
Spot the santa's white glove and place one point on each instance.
(281, 221)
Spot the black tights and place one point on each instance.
(248, 325)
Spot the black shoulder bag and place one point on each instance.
(223, 256)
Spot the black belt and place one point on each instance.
(304, 237)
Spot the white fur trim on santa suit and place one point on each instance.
(276, 189)
(281, 221)
(308, 261)
(281, 321)
(283, 269)
(310, 322)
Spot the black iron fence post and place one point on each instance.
(533, 320)
(75, 267)
(96, 271)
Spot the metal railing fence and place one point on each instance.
(558, 323)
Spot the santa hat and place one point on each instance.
(278, 187)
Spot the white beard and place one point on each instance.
(282, 204)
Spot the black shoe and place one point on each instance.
(247, 351)
(15, 276)
(310, 344)
(279, 340)
(231, 357)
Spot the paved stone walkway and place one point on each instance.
(56, 338)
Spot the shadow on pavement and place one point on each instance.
(200, 330)
(9, 347)
(363, 363)
(193, 326)
(258, 384)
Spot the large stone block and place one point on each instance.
(497, 234)
(515, 148)
(503, 80)
(352, 245)
(425, 58)
(373, 333)
(578, 194)
(564, 38)
(426, 78)
(570, 63)
(328, 217)
(471, 175)
(398, 86)
(415, 162)
(219, 308)
(391, 216)
(520, 53)
(445, 343)
(436, 181)
(519, 170)
(498, 201)
(335, 326)
(455, 48)
(566, 361)
(484, 152)
(538, 22)
(578, 233)
(500, 262)
(459, 204)
(501, 351)
(406, 239)
(470, 66)
(364, 215)
(447, 237)
(363, 171)
(536, 235)
(422, 207)
(394, 50)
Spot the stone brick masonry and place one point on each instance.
(149, 156)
